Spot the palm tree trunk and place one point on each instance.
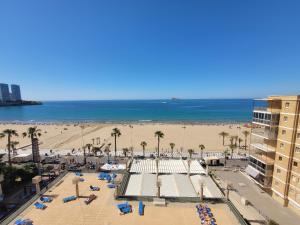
(8, 147)
(172, 152)
(115, 146)
(143, 151)
(157, 146)
(84, 156)
(223, 140)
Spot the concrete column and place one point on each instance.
(76, 181)
(36, 181)
(201, 191)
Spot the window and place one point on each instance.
(278, 171)
(281, 145)
(283, 132)
(298, 135)
(287, 105)
(280, 158)
(295, 164)
(285, 119)
(276, 183)
(297, 150)
(292, 190)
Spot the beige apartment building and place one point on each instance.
(274, 160)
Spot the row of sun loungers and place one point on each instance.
(126, 208)
(109, 178)
(70, 198)
(205, 214)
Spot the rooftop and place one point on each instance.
(103, 210)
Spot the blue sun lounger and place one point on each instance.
(70, 198)
(39, 205)
(78, 174)
(23, 222)
(111, 186)
(94, 188)
(46, 199)
(141, 208)
(124, 208)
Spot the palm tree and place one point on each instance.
(89, 147)
(232, 147)
(231, 139)
(116, 133)
(84, 155)
(202, 147)
(191, 152)
(223, 134)
(144, 144)
(159, 135)
(246, 134)
(240, 140)
(9, 133)
(107, 151)
(235, 138)
(32, 133)
(172, 145)
(225, 156)
(125, 151)
(14, 145)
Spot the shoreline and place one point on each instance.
(152, 122)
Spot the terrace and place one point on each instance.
(103, 210)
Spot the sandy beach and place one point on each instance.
(69, 136)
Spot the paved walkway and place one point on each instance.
(262, 201)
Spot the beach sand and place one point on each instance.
(69, 136)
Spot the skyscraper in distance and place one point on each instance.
(4, 93)
(15, 92)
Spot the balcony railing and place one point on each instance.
(262, 132)
(263, 158)
(265, 172)
(260, 108)
(263, 147)
(265, 121)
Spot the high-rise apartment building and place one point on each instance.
(274, 160)
(15, 92)
(4, 93)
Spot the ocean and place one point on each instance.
(189, 111)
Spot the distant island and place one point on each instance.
(13, 97)
(20, 103)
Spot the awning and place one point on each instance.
(252, 172)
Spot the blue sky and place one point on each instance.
(145, 49)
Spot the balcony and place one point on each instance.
(263, 147)
(265, 132)
(265, 118)
(265, 170)
(266, 159)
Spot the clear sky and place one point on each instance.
(141, 49)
